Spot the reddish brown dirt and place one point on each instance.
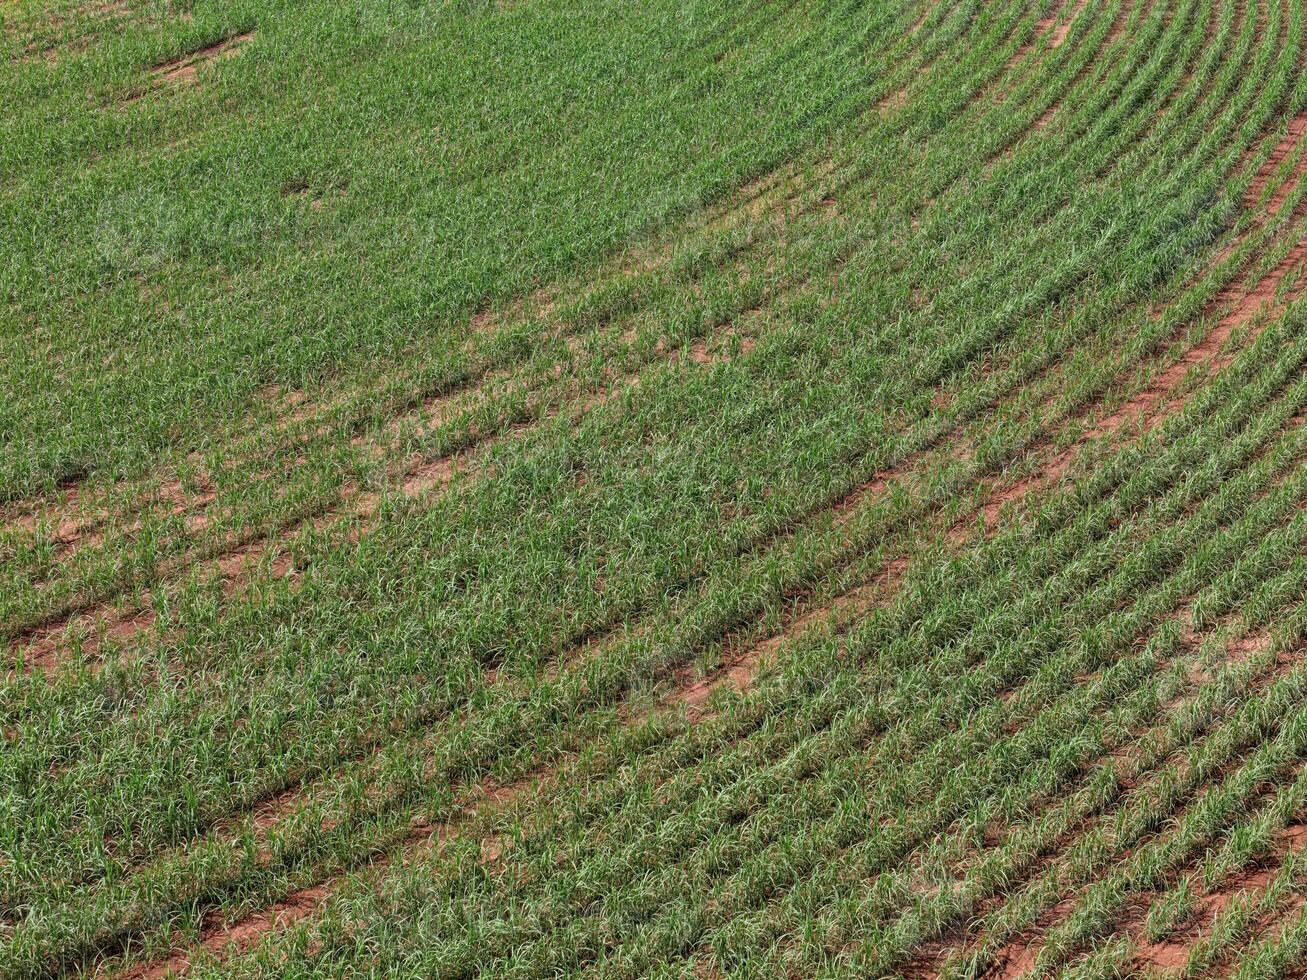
(894, 100)
(1288, 143)
(226, 939)
(184, 69)
(1046, 116)
(431, 476)
(737, 673)
(1047, 27)
(45, 650)
(1017, 957)
(234, 938)
(739, 669)
(67, 528)
(1057, 37)
(1017, 57)
(1173, 953)
(1016, 962)
(1158, 401)
(920, 22)
(318, 200)
(1163, 956)
(699, 352)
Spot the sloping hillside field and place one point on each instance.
(631, 488)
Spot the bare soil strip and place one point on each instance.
(1173, 952)
(1057, 34)
(184, 70)
(1290, 142)
(739, 669)
(223, 940)
(1249, 309)
(1018, 956)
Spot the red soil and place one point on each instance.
(227, 939)
(1173, 953)
(1287, 144)
(184, 69)
(1058, 35)
(234, 938)
(740, 669)
(1157, 402)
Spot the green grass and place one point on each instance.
(406, 408)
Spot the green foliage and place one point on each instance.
(406, 404)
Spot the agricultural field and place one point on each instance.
(653, 488)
